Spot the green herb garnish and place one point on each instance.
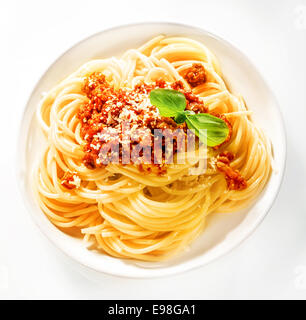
(171, 103)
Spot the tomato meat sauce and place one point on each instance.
(233, 177)
(196, 75)
(71, 180)
(109, 108)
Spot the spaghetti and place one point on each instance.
(137, 211)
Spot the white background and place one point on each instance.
(272, 262)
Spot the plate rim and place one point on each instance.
(173, 269)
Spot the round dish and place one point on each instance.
(223, 232)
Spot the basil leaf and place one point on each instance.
(180, 117)
(169, 102)
(216, 129)
(189, 112)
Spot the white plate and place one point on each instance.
(224, 232)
